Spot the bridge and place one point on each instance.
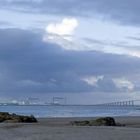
(122, 103)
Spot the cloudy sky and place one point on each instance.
(85, 50)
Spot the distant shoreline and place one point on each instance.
(71, 105)
(71, 110)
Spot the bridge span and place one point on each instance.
(122, 103)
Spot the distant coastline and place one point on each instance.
(71, 110)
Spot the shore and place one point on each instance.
(61, 129)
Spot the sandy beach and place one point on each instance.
(61, 129)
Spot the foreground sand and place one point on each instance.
(61, 129)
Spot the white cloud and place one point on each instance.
(124, 83)
(66, 27)
(92, 80)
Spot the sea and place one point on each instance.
(72, 110)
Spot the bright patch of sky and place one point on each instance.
(86, 34)
(96, 35)
(25, 20)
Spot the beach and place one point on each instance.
(62, 129)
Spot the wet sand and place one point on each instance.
(61, 129)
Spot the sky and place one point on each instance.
(85, 50)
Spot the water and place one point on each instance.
(72, 111)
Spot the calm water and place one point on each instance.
(72, 111)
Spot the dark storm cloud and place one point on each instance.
(29, 65)
(124, 11)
